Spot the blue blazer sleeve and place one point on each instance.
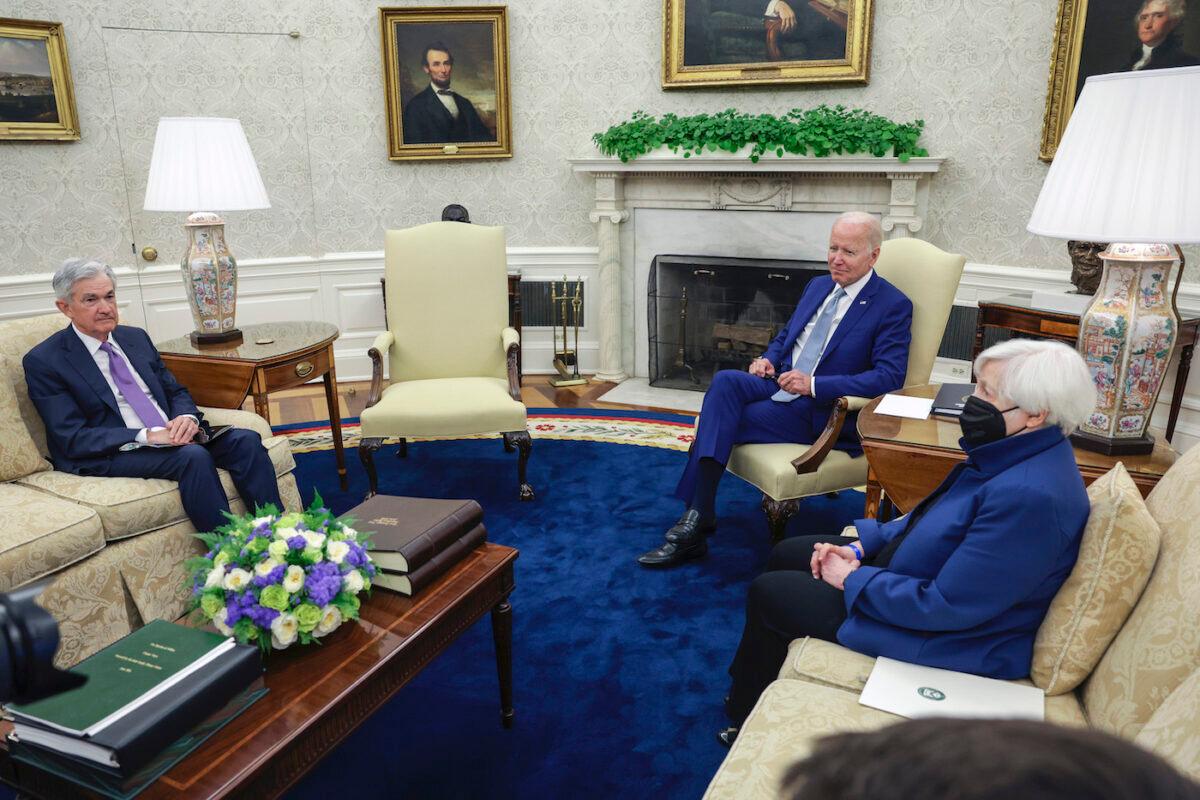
(889, 358)
(873, 534)
(1006, 554)
(65, 422)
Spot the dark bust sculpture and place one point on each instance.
(1086, 265)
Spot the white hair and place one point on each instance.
(869, 221)
(74, 270)
(1039, 375)
(1176, 9)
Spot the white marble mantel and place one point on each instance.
(897, 191)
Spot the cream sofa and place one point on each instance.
(1146, 686)
(112, 548)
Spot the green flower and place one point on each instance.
(258, 544)
(289, 520)
(307, 615)
(274, 596)
(278, 549)
(211, 603)
(312, 555)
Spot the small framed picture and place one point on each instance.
(754, 42)
(37, 100)
(446, 78)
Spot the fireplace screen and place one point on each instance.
(708, 313)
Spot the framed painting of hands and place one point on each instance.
(446, 82)
(1095, 37)
(749, 42)
(37, 100)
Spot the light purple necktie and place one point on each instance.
(133, 394)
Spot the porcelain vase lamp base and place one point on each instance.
(210, 279)
(1126, 337)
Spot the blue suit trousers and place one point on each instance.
(738, 409)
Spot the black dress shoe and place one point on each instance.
(686, 540)
(728, 736)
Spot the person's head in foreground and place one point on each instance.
(962, 759)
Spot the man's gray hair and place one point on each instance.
(874, 229)
(74, 270)
(1176, 9)
(1040, 375)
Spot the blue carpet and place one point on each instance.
(618, 671)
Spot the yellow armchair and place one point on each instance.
(786, 473)
(451, 357)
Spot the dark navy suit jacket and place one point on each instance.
(867, 355)
(969, 585)
(426, 121)
(84, 427)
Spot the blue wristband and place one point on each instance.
(857, 550)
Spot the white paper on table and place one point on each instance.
(913, 691)
(897, 405)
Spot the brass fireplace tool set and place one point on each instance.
(566, 359)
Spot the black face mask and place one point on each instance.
(982, 422)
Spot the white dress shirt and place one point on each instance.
(132, 420)
(447, 99)
(843, 306)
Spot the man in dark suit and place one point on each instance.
(849, 335)
(112, 408)
(1161, 46)
(438, 115)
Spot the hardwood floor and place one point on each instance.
(307, 403)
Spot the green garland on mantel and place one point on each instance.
(820, 131)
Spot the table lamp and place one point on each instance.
(205, 163)
(1128, 172)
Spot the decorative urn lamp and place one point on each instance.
(206, 163)
(1128, 172)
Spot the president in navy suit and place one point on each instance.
(849, 335)
(438, 114)
(112, 408)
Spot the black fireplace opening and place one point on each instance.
(708, 313)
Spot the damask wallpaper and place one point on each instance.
(313, 108)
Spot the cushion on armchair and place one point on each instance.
(1116, 557)
(444, 407)
(19, 454)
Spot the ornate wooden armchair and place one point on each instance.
(787, 473)
(452, 360)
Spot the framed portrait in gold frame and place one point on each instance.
(446, 82)
(1095, 37)
(750, 42)
(37, 100)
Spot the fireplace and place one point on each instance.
(709, 313)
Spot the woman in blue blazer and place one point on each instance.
(964, 580)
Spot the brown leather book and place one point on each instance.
(418, 579)
(409, 531)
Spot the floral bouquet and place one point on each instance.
(275, 579)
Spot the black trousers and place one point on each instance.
(784, 603)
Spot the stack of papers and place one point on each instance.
(898, 405)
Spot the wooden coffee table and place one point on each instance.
(319, 694)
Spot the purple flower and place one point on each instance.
(261, 529)
(323, 581)
(261, 616)
(357, 557)
(296, 543)
(274, 576)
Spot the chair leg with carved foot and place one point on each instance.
(402, 451)
(366, 454)
(778, 513)
(523, 443)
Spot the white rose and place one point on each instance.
(278, 549)
(284, 629)
(219, 622)
(264, 567)
(331, 618)
(336, 551)
(349, 532)
(215, 576)
(293, 579)
(352, 581)
(254, 523)
(237, 579)
(285, 533)
(313, 539)
(221, 560)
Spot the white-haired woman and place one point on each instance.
(964, 580)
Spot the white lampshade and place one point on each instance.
(203, 164)
(1128, 166)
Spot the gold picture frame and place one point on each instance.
(431, 51)
(1094, 37)
(738, 43)
(37, 99)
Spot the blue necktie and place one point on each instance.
(811, 351)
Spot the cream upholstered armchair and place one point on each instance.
(786, 473)
(451, 357)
